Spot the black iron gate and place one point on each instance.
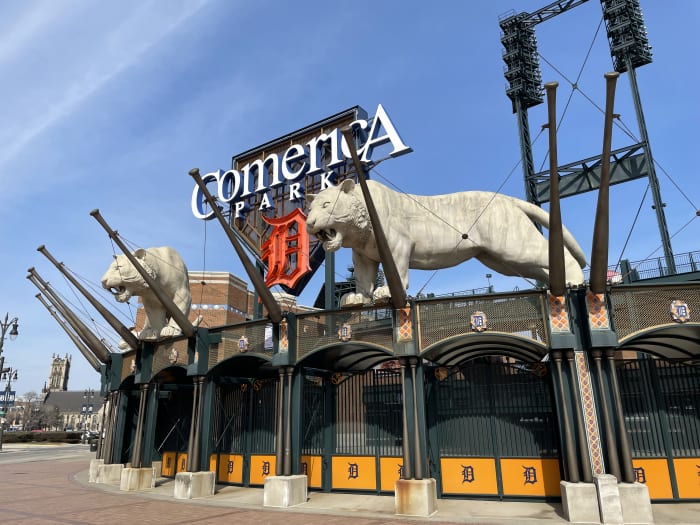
(172, 428)
(244, 431)
(492, 430)
(352, 429)
(661, 406)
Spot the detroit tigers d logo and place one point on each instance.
(286, 250)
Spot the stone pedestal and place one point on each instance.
(190, 485)
(285, 491)
(92, 473)
(579, 502)
(415, 497)
(137, 479)
(157, 468)
(636, 504)
(109, 473)
(608, 498)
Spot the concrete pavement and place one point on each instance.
(55, 490)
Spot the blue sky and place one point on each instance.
(108, 105)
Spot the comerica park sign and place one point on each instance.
(298, 160)
(264, 191)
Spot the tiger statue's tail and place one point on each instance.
(540, 216)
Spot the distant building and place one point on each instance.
(58, 374)
(75, 410)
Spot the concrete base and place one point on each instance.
(109, 473)
(137, 479)
(157, 469)
(92, 473)
(579, 502)
(285, 491)
(415, 497)
(636, 505)
(190, 485)
(608, 498)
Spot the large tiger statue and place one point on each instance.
(432, 232)
(163, 264)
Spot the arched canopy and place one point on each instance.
(245, 365)
(461, 348)
(176, 375)
(673, 342)
(346, 357)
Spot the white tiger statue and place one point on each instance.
(432, 232)
(163, 264)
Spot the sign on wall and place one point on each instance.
(7, 398)
(267, 184)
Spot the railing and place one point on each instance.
(641, 307)
(627, 271)
(371, 325)
(251, 337)
(523, 314)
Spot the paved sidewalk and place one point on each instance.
(57, 492)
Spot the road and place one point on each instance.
(21, 453)
(47, 485)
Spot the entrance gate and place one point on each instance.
(172, 428)
(492, 430)
(661, 406)
(244, 431)
(352, 430)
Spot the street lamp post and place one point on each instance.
(88, 396)
(13, 325)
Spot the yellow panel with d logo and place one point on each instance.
(354, 472)
(260, 468)
(311, 466)
(230, 468)
(167, 468)
(654, 474)
(530, 477)
(468, 475)
(688, 477)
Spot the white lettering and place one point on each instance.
(260, 168)
(294, 154)
(229, 185)
(198, 201)
(318, 156)
(265, 203)
(381, 120)
(326, 181)
(240, 209)
(295, 191)
(334, 137)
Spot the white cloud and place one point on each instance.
(88, 61)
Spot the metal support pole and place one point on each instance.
(610, 444)
(601, 231)
(625, 452)
(279, 424)
(569, 456)
(653, 180)
(193, 444)
(406, 448)
(288, 425)
(138, 443)
(417, 449)
(557, 274)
